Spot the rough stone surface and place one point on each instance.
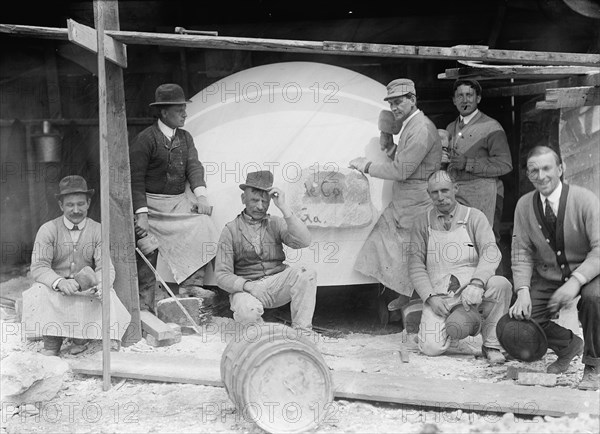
(151, 340)
(537, 379)
(31, 377)
(168, 310)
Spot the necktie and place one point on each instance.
(461, 124)
(549, 215)
(75, 228)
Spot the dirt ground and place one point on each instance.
(363, 345)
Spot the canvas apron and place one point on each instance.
(48, 312)
(384, 253)
(476, 192)
(187, 241)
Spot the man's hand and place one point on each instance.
(202, 206)
(278, 197)
(358, 164)
(141, 224)
(458, 162)
(471, 296)
(445, 156)
(68, 286)
(257, 291)
(564, 295)
(522, 308)
(439, 305)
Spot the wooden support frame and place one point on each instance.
(85, 37)
(477, 53)
(570, 97)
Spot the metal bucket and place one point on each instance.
(277, 379)
(47, 148)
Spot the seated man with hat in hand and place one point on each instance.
(555, 258)
(171, 211)
(250, 257)
(66, 264)
(452, 258)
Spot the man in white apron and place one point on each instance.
(57, 306)
(453, 242)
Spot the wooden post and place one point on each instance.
(104, 195)
(121, 208)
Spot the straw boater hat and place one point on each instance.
(261, 180)
(73, 184)
(169, 94)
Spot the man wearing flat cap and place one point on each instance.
(66, 265)
(417, 155)
(170, 207)
(250, 258)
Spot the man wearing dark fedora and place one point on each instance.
(250, 258)
(417, 154)
(66, 265)
(171, 211)
(555, 259)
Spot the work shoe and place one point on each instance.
(493, 355)
(398, 303)
(561, 365)
(45, 352)
(591, 378)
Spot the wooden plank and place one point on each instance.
(85, 37)
(570, 97)
(104, 191)
(493, 72)
(52, 82)
(478, 53)
(541, 87)
(414, 391)
(155, 327)
(155, 367)
(470, 396)
(122, 234)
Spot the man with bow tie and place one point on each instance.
(171, 211)
(479, 153)
(555, 258)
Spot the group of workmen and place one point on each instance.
(437, 238)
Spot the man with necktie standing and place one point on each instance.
(555, 258)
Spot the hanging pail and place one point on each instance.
(47, 148)
(277, 378)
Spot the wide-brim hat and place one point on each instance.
(86, 277)
(400, 87)
(261, 180)
(523, 339)
(169, 94)
(73, 184)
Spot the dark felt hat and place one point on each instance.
(169, 93)
(523, 339)
(261, 180)
(86, 278)
(73, 184)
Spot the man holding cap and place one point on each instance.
(417, 155)
(250, 258)
(66, 264)
(169, 200)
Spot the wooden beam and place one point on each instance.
(541, 87)
(570, 97)
(54, 104)
(477, 53)
(155, 327)
(423, 393)
(494, 72)
(85, 37)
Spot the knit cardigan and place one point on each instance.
(577, 244)
(54, 252)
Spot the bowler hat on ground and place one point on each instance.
(261, 180)
(169, 93)
(400, 87)
(522, 339)
(73, 184)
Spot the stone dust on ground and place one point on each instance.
(133, 406)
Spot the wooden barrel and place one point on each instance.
(277, 378)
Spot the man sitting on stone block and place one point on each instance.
(66, 264)
(452, 258)
(250, 257)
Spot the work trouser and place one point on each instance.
(559, 338)
(436, 332)
(295, 285)
(147, 281)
